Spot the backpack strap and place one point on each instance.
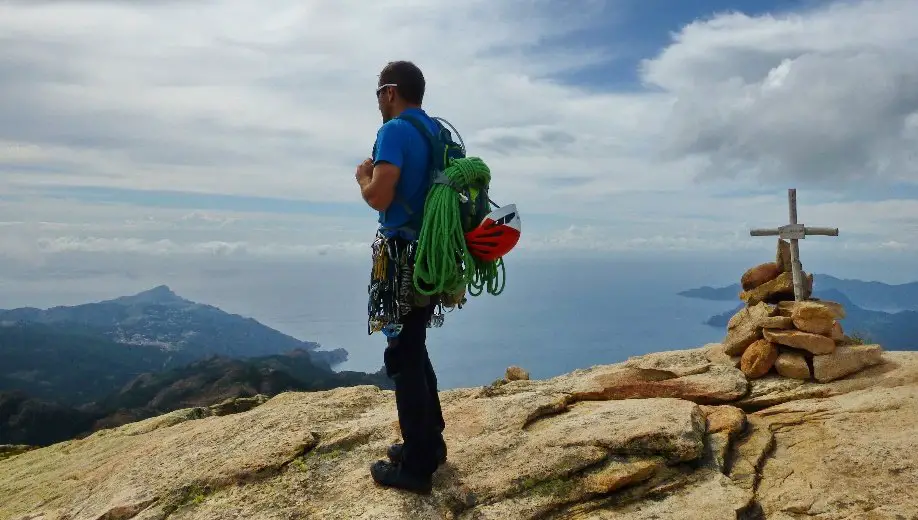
(412, 228)
(438, 164)
(435, 171)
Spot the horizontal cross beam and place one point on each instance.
(794, 232)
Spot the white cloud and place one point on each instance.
(75, 227)
(234, 98)
(72, 244)
(830, 94)
(231, 97)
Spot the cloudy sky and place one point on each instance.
(165, 131)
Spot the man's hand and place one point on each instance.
(364, 173)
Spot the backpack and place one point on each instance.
(473, 200)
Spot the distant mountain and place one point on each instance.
(160, 318)
(58, 381)
(68, 371)
(867, 295)
(895, 331)
(873, 295)
(728, 293)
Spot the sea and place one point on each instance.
(555, 315)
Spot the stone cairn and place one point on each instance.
(800, 340)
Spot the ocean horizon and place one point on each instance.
(555, 315)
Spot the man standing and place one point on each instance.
(395, 183)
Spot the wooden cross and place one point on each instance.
(794, 232)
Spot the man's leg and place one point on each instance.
(406, 364)
(436, 414)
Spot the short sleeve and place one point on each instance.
(391, 140)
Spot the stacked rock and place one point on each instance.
(797, 339)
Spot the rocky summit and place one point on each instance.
(671, 435)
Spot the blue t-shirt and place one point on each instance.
(399, 142)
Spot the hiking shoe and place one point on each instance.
(394, 475)
(395, 453)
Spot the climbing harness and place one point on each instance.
(455, 246)
(391, 289)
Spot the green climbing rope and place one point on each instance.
(443, 262)
(486, 275)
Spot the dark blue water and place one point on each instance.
(554, 316)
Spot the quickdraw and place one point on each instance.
(391, 289)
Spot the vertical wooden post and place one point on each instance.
(794, 232)
(796, 266)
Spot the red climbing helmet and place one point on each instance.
(497, 234)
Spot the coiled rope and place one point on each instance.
(443, 263)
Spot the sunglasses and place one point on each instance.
(381, 87)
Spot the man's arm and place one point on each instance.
(378, 188)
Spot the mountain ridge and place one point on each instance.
(161, 294)
(160, 318)
(107, 384)
(871, 295)
(67, 371)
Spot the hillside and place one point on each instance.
(162, 319)
(36, 422)
(32, 356)
(25, 419)
(214, 380)
(62, 375)
(677, 435)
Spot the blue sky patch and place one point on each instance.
(635, 30)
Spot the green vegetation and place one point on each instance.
(299, 463)
(73, 364)
(188, 496)
(559, 486)
(326, 455)
(34, 422)
(63, 380)
(7, 450)
(858, 338)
